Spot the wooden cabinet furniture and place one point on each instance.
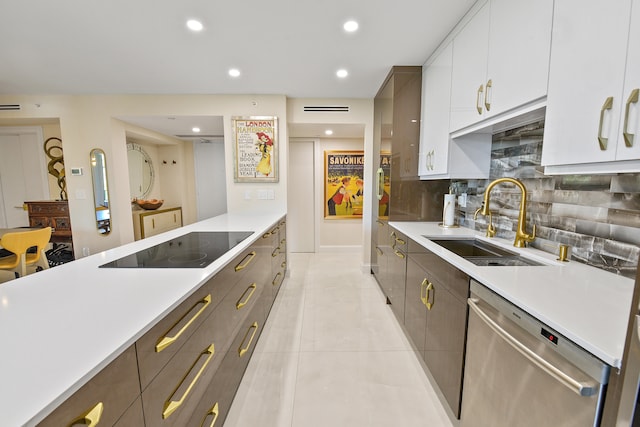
(186, 369)
(113, 393)
(150, 223)
(397, 270)
(500, 60)
(436, 318)
(440, 156)
(594, 79)
(54, 214)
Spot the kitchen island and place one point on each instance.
(62, 326)
(587, 305)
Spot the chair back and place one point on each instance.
(19, 241)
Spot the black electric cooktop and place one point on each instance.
(193, 250)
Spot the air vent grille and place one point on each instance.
(327, 109)
(10, 107)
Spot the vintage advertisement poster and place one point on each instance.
(343, 184)
(384, 184)
(255, 148)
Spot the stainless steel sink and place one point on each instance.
(482, 253)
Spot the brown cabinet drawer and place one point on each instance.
(157, 347)
(133, 417)
(48, 208)
(109, 394)
(219, 395)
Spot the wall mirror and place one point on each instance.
(140, 171)
(100, 190)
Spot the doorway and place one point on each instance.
(22, 173)
(210, 177)
(301, 224)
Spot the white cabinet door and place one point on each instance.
(470, 52)
(436, 100)
(629, 147)
(589, 46)
(519, 49)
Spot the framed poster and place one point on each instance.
(343, 184)
(384, 184)
(255, 144)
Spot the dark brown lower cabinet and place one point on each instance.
(436, 319)
(186, 369)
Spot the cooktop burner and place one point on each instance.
(193, 250)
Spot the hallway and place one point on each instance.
(333, 354)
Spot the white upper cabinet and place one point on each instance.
(500, 60)
(440, 157)
(594, 74)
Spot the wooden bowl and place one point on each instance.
(150, 205)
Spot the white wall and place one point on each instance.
(88, 122)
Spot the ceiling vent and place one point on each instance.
(10, 107)
(327, 109)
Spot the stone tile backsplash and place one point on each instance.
(598, 216)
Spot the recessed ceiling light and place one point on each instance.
(194, 25)
(342, 73)
(234, 72)
(328, 132)
(195, 129)
(350, 26)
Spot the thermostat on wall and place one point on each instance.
(76, 171)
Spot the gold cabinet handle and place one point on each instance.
(401, 241)
(245, 261)
(428, 304)
(275, 252)
(380, 184)
(170, 405)
(213, 413)
(266, 235)
(380, 253)
(167, 340)
(251, 289)
(423, 286)
(243, 349)
(91, 417)
(399, 254)
(284, 264)
(628, 136)
(283, 241)
(275, 279)
(608, 104)
(153, 223)
(487, 101)
(478, 98)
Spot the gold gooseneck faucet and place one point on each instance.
(521, 235)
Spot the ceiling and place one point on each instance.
(286, 47)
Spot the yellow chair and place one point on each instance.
(19, 242)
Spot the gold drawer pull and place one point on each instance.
(284, 264)
(241, 303)
(399, 240)
(283, 241)
(250, 255)
(379, 251)
(213, 412)
(628, 136)
(242, 349)
(608, 104)
(91, 417)
(276, 252)
(153, 223)
(429, 289)
(487, 101)
(170, 406)
(275, 279)
(423, 285)
(167, 340)
(266, 235)
(399, 254)
(478, 98)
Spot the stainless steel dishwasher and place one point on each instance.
(519, 372)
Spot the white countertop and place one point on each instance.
(61, 326)
(587, 305)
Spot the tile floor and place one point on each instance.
(332, 354)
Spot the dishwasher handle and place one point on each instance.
(581, 388)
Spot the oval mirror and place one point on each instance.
(100, 190)
(140, 171)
